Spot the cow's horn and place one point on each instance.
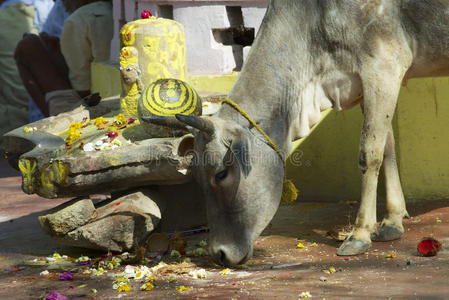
(199, 123)
(164, 121)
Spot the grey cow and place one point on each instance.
(311, 55)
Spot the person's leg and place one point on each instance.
(41, 67)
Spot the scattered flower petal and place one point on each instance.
(112, 134)
(66, 276)
(175, 253)
(145, 14)
(55, 296)
(124, 288)
(199, 274)
(305, 295)
(147, 286)
(182, 288)
(199, 252)
(83, 260)
(225, 271)
(88, 147)
(44, 273)
(391, 255)
(300, 245)
(331, 270)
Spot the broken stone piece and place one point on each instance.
(118, 225)
(133, 202)
(66, 217)
(116, 232)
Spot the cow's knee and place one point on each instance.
(370, 160)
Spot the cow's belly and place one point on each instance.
(337, 90)
(344, 90)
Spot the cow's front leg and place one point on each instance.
(391, 227)
(380, 97)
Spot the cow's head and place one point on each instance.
(241, 178)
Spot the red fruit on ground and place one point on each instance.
(429, 246)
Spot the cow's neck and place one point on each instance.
(271, 82)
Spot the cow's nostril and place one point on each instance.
(221, 257)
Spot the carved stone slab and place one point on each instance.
(51, 172)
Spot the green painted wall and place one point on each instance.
(423, 136)
(324, 166)
(329, 156)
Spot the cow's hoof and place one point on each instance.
(387, 233)
(352, 246)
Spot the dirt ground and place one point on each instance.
(278, 270)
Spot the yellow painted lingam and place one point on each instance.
(151, 49)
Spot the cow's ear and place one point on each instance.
(240, 153)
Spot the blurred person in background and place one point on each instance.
(57, 75)
(40, 62)
(17, 17)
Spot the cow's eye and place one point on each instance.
(128, 69)
(221, 175)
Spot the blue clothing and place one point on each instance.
(35, 113)
(55, 20)
(41, 10)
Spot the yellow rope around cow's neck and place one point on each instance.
(289, 191)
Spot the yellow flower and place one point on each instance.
(124, 288)
(313, 245)
(73, 134)
(391, 255)
(225, 271)
(175, 253)
(305, 295)
(122, 279)
(121, 118)
(99, 121)
(76, 125)
(147, 286)
(116, 261)
(182, 288)
(330, 270)
(300, 245)
(56, 255)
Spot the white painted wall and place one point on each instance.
(204, 55)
